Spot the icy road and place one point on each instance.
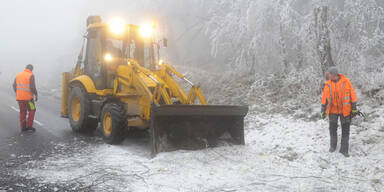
(281, 154)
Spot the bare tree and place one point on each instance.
(323, 44)
(283, 50)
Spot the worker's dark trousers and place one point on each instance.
(345, 124)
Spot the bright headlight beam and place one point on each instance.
(108, 57)
(146, 30)
(117, 26)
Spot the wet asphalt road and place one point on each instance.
(50, 127)
(16, 148)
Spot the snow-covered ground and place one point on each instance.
(281, 154)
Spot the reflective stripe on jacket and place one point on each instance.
(339, 96)
(23, 86)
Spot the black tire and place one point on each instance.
(83, 123)
(119, 123)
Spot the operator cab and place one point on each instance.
(110, 45)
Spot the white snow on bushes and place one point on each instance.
(281, 154)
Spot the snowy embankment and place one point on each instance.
(281, 154)
(286, 150)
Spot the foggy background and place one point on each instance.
(251, 39)
(48, 34)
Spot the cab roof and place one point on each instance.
(102, 25)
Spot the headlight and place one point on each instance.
(108, 57)
(146, 31)
(161, 62)
(117, 26)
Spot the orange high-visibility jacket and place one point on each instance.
(339, 96)
(23, 86)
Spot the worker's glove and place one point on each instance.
(322, 113)
(354, 112)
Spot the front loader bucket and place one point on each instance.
(194, 127)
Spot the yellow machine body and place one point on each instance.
(142, 97)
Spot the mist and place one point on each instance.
(262, 66)
(48, 34)
(250, 39)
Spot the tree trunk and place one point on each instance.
(300, 55)
(283, 51)
(323, 45)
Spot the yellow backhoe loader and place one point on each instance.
(120, 82)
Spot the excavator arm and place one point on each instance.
(167, 73)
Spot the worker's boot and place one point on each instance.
(333, 136)
(30, 129)
(345, 139)
(24, 128)
(346, 154)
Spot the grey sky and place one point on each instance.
(47, 33)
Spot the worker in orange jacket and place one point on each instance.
(26, 92)
(338, 101)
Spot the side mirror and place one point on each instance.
(165, 42)
(85, 35)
